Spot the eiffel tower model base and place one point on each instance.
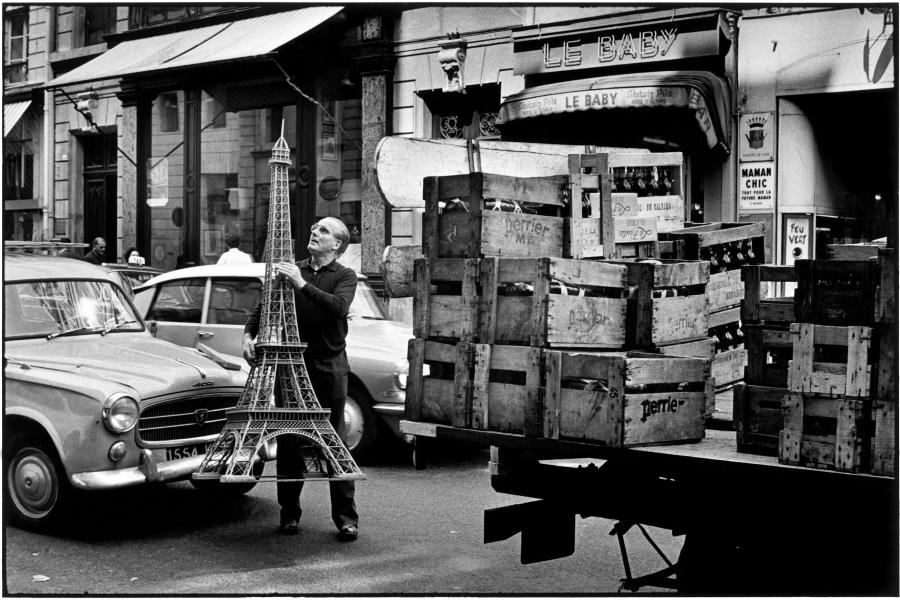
(234, 455)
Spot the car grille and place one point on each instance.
(183, 419)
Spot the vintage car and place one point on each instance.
(92, 400)
(210, 305)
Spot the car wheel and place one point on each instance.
(37, 490)
(360, 425)
(213, 487)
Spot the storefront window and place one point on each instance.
(18, 165)
(339, 167)
(235, 148)
(165, 183)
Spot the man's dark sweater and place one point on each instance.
(322, 308)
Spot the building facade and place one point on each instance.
(150, 125)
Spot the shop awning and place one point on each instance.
(12, 112)
(236, 40)
(703, 92)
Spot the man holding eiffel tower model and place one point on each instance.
(323, 292)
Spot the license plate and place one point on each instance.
(186, 451)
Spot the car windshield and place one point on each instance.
(366, 304)
(63, 307)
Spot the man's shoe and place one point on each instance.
(289, 528)
(348, 533)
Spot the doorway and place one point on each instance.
(100, 204)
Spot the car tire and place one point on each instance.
(37, 491)
(360, 423)
(217, 488)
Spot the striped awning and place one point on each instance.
(700, 91)
(12, 112)
(244, 39)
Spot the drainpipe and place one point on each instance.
(47, 204)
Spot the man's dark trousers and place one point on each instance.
(329, 381)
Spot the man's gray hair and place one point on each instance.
(339, 230)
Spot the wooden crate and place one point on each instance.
(595, 230)
(851, 377)
(551, 302)
(646, 399)
(884, 409)
(729, 357)
(712, 241)
(769, 352)
(886, 298)
(766, 325)
(468, 227)
(460, 391)
(668, 302)
(860, 251)
(616, 399)
(825, 432)
(704, 348)
(836, 292)
(757, 418)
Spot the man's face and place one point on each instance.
(322, 239)
(101, 247)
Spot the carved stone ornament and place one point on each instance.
(452, 58)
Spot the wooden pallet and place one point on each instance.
(757, 418)
(616, 399)
(528, 301)
(836, 292)
(467, 227)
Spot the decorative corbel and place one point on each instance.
(452, 58)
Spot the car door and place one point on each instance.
(177, 310)
(231, 301)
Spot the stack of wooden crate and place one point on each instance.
(766, 318)
(884, 411)
(828, 410)
(513, 338)
(727, 247)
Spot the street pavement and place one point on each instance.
(421, 533)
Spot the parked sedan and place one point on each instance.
(210, 305)
(92, 400)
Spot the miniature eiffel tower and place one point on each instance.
(255, 420)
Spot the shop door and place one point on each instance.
(100, 191)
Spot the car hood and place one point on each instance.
(377, 339)
(149, 366)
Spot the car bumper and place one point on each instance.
(391, 415)
(148, 471)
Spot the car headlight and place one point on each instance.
(401, 373)
(120, 413)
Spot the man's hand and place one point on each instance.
(291, 272)
(249, 349)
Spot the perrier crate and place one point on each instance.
(483, 214)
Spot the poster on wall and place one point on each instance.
(757, 185)
(757, 136)
(157, 182)
(797, 238)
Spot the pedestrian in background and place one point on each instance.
(133, 257)
(234, 255)
(323, 292)
(97, 252)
